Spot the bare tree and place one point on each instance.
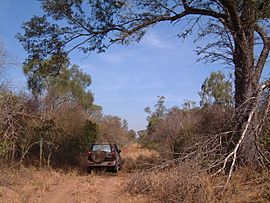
(14, 115)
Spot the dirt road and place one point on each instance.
(61, 193)
(51, 186)
(96, 188)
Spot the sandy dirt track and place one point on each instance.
(96, 188)
(29, 184)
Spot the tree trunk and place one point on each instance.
(40, 152)
(246, 98)
(246, 83)
(49, 158)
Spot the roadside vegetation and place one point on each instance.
(27, 184)
(178, 158)
(185, 183)
(191, 142)
(214, 151)
(54, 124)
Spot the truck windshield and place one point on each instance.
(101, 147)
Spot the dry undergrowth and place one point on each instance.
(105, 187)
(181, 183)
(185, 184)
(29, 184)
(86, 190)
(137, 158)
(26, 184)
(135, 150)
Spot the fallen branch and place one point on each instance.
(233, 154)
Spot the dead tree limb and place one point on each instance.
(233, 154)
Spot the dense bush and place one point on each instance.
(34, 133)
(15, 124)
(179, 130)
(74, 145)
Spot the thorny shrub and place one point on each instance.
(141, 163)
(181, 184)
(185, 183)
(179, 129)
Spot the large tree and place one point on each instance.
(70, 84)
(239, 27)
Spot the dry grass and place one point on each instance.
(105, 187)
(181, 183)
(26, 184)
(247, 185)
(186, 184)
(86, 190)
(172, 185)
(137, 158)
(142, 163)
(135, 151)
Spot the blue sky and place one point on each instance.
(126, 79)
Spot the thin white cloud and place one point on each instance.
(113, 57)
(153, 39)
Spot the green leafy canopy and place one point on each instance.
(70, 85)
(216, 89)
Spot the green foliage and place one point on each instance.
(188, 104)
(25, 128)
(153, 118)
(38, 71)
(159, 112)
(33, 132)
(59, 82)
(64, 148)
(89, 134)
(95, 25)
(70, 85)
(216, 89)
(46, 130)
(74, 145)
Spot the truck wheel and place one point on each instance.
(116, 168)
(89, 169)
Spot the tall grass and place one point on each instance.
(26, 184)
(185, 183)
